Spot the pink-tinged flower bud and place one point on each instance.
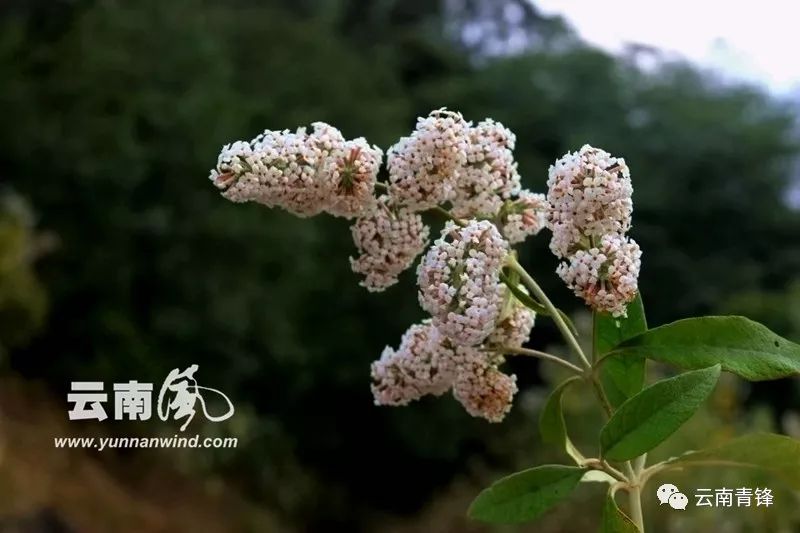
(232, 167)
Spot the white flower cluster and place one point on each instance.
(424, 167)
(606, 277)
(591, 206)
(483, 389)
(490, 175)
(420, 366)
(428, 363)
(304, 173)
(447, 160)
(473, 315)
(524, 217)
(388, 239)
(459, 282)
(590, 196)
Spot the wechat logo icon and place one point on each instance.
(670, 494)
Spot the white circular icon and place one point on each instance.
(665, 491)
(678, 501)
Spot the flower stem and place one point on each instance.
(595, 325)
(553, 311)
(530, 303)
(633, 469)
(540, 355)
(520, 295)
(448, 215)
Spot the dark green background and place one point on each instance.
(113, 113)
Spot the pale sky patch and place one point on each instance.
(752, 41)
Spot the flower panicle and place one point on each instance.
(590, 197)
(303, 172)
(427, 363)
(469, 172)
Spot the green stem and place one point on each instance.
(597, 464)
(633, 469)
(526, 300)
(654, 469)
(595, 325)
(448, 215)
(540, 355)
(539, 294)
(532, 304)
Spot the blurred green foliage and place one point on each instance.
(23, 300)
(115, 111)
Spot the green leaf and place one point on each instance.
(776, 453)
(622, 377)
(614, 520)
(523, 496)
(610, 331)
(552, 427)
(597, 476)
(551, 419)
(574, 453)
(644, 421)
(738, 344)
